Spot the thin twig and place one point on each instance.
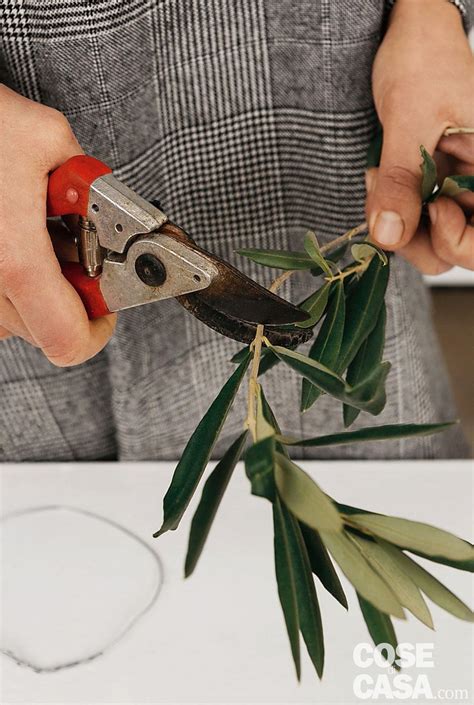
(275, 285)
(361, 267)
(334, 244)
(251, 421)
(344, 238)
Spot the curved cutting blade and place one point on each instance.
(236, 295)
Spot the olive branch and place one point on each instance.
(311, 529)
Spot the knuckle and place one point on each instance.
(64, 355)
(435, 268)
(60, 129)
(13, 274)
(65, 349)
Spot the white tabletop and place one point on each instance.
(219, 636)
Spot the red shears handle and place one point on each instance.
(69, 185)
(68, 193)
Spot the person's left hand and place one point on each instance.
(423, 82)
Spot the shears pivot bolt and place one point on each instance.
(150, 270)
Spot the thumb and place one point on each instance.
(394, 193)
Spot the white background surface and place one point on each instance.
(219, 636)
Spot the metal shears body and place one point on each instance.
(130, 255)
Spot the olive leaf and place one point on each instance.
(372, 433)
(260, 457)
(379, 625)
(367, 358)
(198, 451)
(315, 305)
(363, 577)
(436, 591)
(286, 582)
(212, 494)
(363, 251)
(389, 569)
(415, 535)
(363, 304)
(259, 462)
(452, 186)
(288, 259)
(264, 427)
(459, 565)
(308, 606)
(304, 498)
(311, 245)
(467, 565)
(321, 564)
(270, 417)
(429, 175)
(325, 348)
(368, 395)
(278, 259)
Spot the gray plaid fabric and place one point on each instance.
(249, 120)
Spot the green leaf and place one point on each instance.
(241, 355)
(264, 428)
(321, 564)
(372, 433)
(259, 463)
(375, 149)
(270, 417)
(389, 569)
(368, 357)
(267, 361)
(367, 396)
(212, 494)
(363, 305)
(415, 535)
(315, 305)
(311, 246)
(467, 565)
(429, 174)
(432, 588)
(379, 625)
(308, 606)
(286, 582)
(459, 565)
(454, 185)
(303, 497)
(325, 348)
(331, 257)
(278, 259)
(198, 451)
(362, 576)
(363, 251)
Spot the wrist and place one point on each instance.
(438, 21)
(428, 10)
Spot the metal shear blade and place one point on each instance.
(234, 294)
(234, 305)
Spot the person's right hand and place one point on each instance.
(36, 301)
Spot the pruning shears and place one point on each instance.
(130, 255)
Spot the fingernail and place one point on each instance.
(388, 228)
(433, 211)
